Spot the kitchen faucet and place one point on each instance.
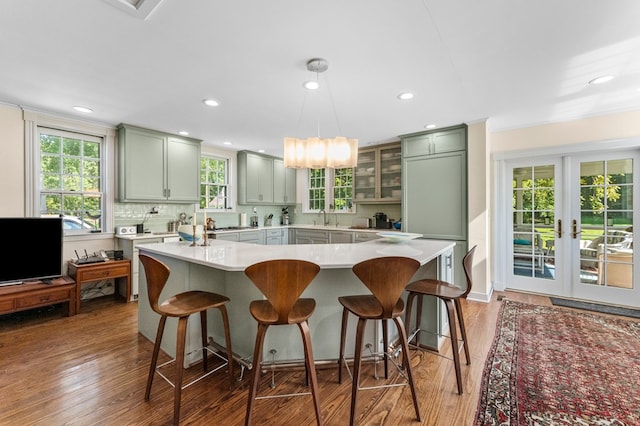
(324, 213)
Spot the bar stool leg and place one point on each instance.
(343, 336)
(385, 344)
(453, 334)
(410, 298)
(463, 331)
(356, 368)
(203, 332)
(154, 357)
(418, 318)
(227, 342)
(310, 367)
(255, 371)
(177, 388)
(407, 364)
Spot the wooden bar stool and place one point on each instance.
(450, 295)
(181, 306)
(386, 278)
(282, 281)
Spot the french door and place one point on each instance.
(570, 226)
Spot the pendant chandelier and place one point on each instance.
(317, 152)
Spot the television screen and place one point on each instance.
(33, 248)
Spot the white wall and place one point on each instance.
(594, 129)
(12, 183)
(479, 208)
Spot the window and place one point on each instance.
(214, 183)
(70, 182)
(332, 188)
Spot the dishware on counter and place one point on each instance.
(186, 232)
(396, 237)
(172, 226)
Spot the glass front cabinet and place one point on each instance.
(378, 175)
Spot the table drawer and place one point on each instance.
(42, 299)
(6, 306)
(102, 274)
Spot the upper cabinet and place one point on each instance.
(284, 183)
(437, 142)
(378, 177)
(155, 166)
(264, 180)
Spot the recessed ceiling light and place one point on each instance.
(405, 96)
(210, 102)
(311, 85)
(602, 79)
(226, 143)
(261, 150)
(430, 126)
(183, 133)
(83, 109)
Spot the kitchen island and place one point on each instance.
(219, 267)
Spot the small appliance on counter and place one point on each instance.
(284, 219)
(380, 221)
(254, 218)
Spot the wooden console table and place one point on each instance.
(35, 294)
(116, 269)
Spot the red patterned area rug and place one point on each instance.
(552, 366)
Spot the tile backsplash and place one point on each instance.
(127, 214)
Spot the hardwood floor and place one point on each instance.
(91, 369)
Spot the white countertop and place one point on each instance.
(236, 256)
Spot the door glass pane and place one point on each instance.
(606, 223)
(533, 221)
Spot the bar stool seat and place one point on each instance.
(450, 295)
(181, 306)
(282, 281)
(386, 278)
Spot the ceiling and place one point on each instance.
(515, 63)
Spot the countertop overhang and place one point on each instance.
(236, 256)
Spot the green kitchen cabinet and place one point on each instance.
(263, 180)
(434, 185)
(378, 175)
(284, 183)
(435, 142)
(157, 167)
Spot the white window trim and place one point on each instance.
(33, 120)
(328, 197)
(231, 157)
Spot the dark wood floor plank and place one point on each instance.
(91, 369)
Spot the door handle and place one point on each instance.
(559, 228)
(575, 231)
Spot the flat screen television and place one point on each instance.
(33, 249)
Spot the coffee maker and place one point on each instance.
(380, 221)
